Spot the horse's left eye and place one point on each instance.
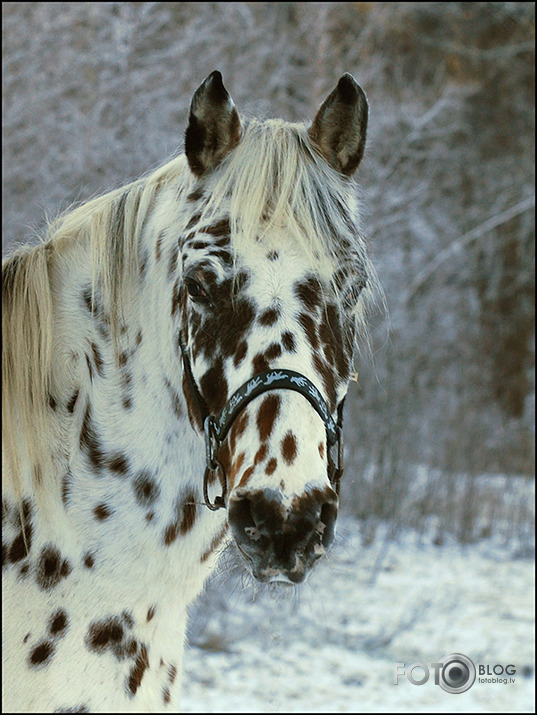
(196, 291)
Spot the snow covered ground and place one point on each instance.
(332, 645)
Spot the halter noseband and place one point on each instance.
(216, 427)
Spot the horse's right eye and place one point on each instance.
(196, 291)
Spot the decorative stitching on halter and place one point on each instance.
(274, 380)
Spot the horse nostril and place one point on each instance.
(328, 521)
(241, 520)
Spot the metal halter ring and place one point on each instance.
(212, 445)
(219, 502)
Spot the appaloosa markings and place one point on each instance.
(142, 314)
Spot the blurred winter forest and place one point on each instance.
(441, 424)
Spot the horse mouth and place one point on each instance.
(282, 579)
(265, 568)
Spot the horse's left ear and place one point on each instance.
(214, 126)
(340, 126)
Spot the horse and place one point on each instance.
(176, 354)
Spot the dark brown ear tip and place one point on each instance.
(214, 85)
(215, 79)
(348, 89)
(215, 75)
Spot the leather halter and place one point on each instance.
(216, 427)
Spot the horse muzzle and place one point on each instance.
(282, 538)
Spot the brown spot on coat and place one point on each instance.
(119, 464)
(220, 228)
(237, 429)
(260, 454)
(172, 261)
(58, 623)
(128, 619)
(66, 488)
(191, 405)
(74, 709)
(171, 534)
(193, 221)
(288, 342)
(307, 322)
(151, 613)
(268, 412)
(273, 351)
(90, 368)
(188, 508)
(72, 402)
(195, 195)
(102, 512)
(232, 325)
(89, 441)
(329, 381)
(97, 359)
(103, 634)
(51, 568)
(214, 387)
(175, 399)
(237, 464)
(240, 354)
(137, 673)
(269, 317)
(215, 543)
(146, 489)
(337, 349)
(176, 297)
(87, 299)
(246, 476)
(41, 654)
(260, 364)
(289, 448)
(89, 561)
(271, 466)
(309, 291)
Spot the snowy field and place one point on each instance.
(332, 644)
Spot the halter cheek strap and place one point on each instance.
(216, 427)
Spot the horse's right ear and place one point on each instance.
(340, 126)
(214, 126)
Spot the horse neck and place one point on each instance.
(134, 479)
